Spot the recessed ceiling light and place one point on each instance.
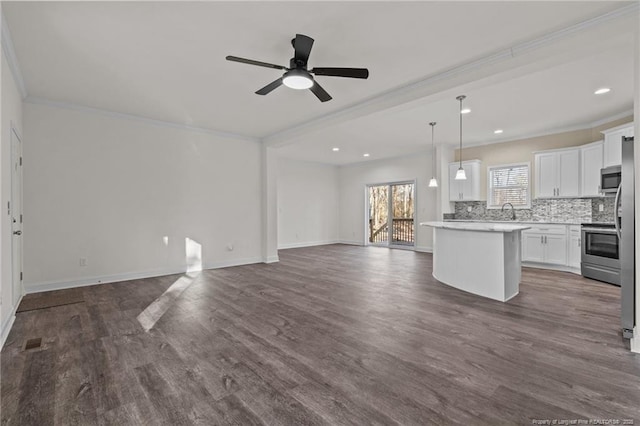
(465, 111)
(602, 91)
(498, 131)
(365, 155)
(336, 149)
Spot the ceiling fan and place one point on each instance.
(297, 76)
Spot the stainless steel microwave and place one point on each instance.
(610, 178)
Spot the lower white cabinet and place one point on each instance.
(545, 244)
(575, 246)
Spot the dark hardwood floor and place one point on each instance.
(330, 335)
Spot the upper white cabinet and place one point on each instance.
(613, 144)
(468, 189)
(590, 164)
(558, 173)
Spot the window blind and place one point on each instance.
(509, 184)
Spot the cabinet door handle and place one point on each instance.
(579, 242)
(541, 239)
(545, 239)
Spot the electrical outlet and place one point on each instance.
(600, 207)
(469, 209)
(230, 247)
(83, 261)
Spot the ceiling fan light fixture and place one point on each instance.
(297, 79)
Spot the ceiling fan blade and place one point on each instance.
(320, 92)
(270, 87)
(252, 62)
(302, 45)
(342, 72)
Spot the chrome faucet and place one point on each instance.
(513, 211)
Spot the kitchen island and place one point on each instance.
(480, 258)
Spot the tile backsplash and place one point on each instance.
(607, 214)
(563, 210)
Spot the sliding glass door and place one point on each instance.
(391, 214)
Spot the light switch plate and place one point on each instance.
(600, 207)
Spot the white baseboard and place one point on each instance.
(103, 279)
(6, 327)
(306, 244)
(560, 268)
(270, 259)
(424, 249)
(351, 243)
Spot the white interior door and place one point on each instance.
(16, 216)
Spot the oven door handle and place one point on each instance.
(600, 231)
(616, 211)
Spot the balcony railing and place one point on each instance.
(402, 234)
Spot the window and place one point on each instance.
(509, 184)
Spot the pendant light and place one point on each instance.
(460, 174)
(433, 183)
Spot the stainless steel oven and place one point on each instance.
(610, 178)
(601, 252)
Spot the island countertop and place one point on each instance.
(477, 226)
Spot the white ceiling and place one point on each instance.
(165, 60)
(547, 101)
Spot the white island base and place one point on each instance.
(479, 258)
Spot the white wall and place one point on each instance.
(11, 115)
(353, 179)
(307, 203)
(109, 189)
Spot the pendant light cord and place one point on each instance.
(433, 149)
(460, 98)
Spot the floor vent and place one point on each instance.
(33, 344)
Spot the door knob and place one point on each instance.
(17, 232)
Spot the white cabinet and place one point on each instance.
(546, 175)
(613, 144)
(545, 244)
(590, 165)
(532, 247)
(575, 246)
(558, 173)
(468, 189)
(555, 247)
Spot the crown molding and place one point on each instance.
(12, 60)
(555, 131)
(623, 114)
(448, 79)
(152, 121)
